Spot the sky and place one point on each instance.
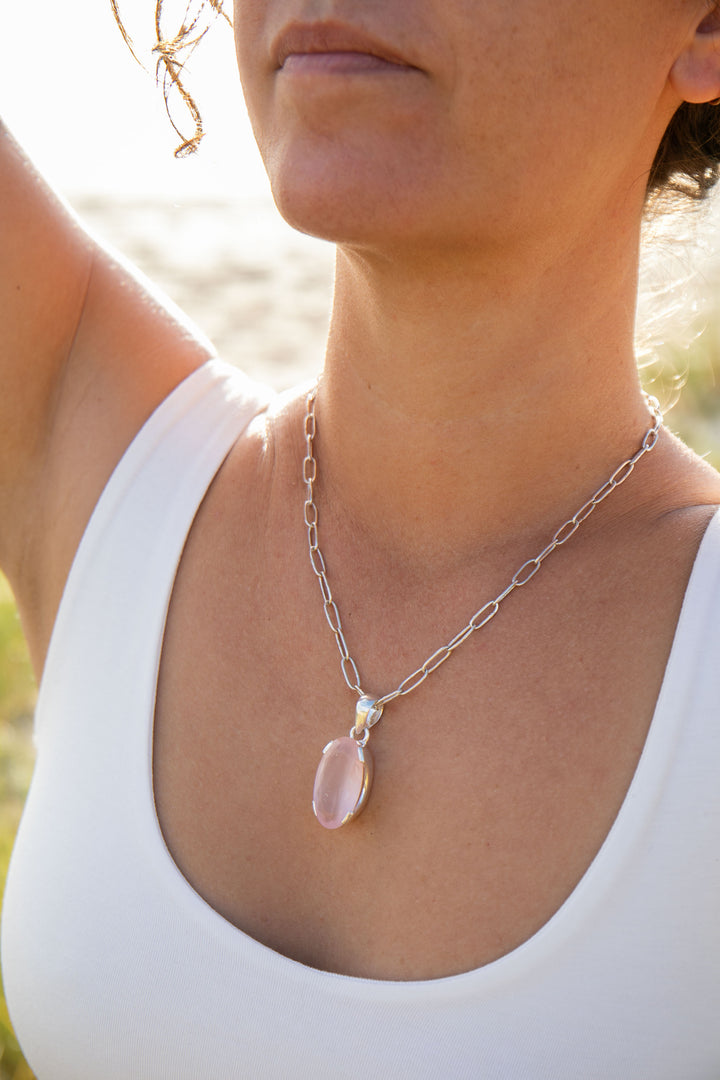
(94, 121)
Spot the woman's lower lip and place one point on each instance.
(338, 63)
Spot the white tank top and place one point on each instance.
(115, 969)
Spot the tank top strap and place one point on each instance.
(132, 544)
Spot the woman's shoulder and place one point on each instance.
(689, 483)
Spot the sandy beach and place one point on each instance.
(260, 291)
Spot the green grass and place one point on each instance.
(17, 699)
(687, 383)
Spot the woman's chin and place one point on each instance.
(349, 202)
(328, 218)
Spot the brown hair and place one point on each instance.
(172, 53)
(687, 162)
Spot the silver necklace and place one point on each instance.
(344, 775)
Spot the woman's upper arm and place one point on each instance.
(87, 351)
(45, 266)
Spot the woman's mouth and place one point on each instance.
(337, 63)
(333, 49)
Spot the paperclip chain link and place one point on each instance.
(488, 611)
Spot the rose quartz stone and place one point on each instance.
(340, 782)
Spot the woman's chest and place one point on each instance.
(495, 782)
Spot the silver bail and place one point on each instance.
(367, 714)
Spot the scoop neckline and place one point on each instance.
(555, 930)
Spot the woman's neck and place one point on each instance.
(458, 412)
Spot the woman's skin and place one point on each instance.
(485, 190)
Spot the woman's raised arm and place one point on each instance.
(87, 351)
(45, 267)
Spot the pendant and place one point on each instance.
(344, 775)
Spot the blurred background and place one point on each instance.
(205, 229)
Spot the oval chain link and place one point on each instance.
(489, 610)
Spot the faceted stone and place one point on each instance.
(342, 782)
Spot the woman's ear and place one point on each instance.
(695, 75)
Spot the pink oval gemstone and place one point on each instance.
(342, 782)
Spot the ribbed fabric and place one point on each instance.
(115, 969)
